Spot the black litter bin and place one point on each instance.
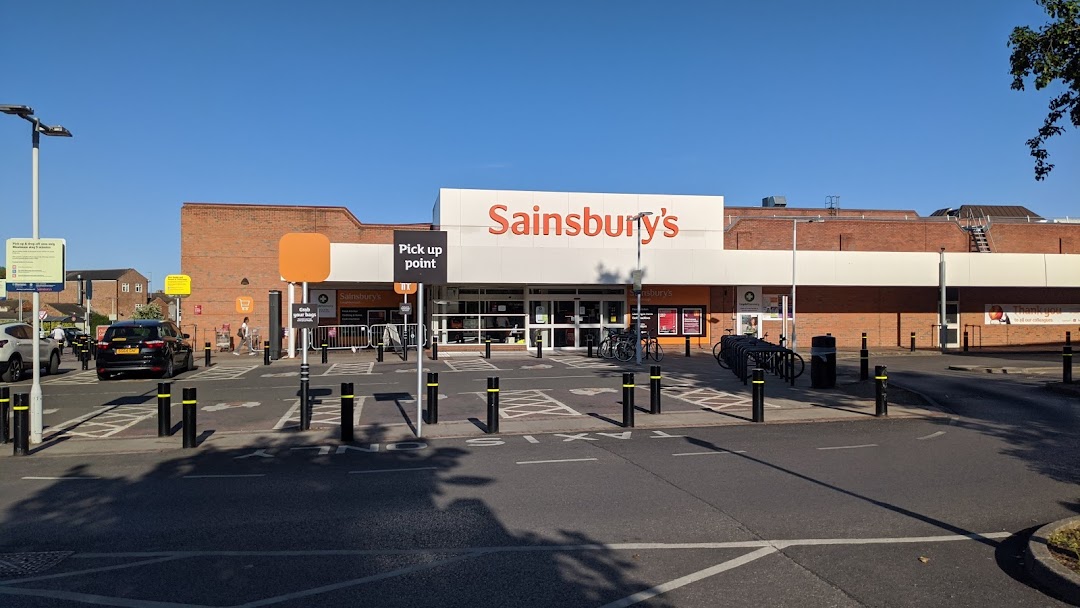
(823, 362)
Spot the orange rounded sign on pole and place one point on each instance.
(245, 305)
(304, 257)
(405, 288)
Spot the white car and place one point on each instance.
(17, 351)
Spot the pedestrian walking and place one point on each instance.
(58, 335)
(242, 333)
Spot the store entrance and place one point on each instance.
(572, 318)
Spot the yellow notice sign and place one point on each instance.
(35, 261)
(178, 285)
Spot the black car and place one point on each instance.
(72, 335)
(144, 345)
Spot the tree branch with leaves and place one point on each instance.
(1052, 57)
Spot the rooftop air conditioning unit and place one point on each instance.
(774, 201)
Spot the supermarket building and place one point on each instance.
(525, 265)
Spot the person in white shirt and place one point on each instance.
(58, 335)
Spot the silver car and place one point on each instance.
(17, 352)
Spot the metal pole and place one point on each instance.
(881, 397)
(1066, 364)
(36, 420)
(637, 342)
(347, 409)
(794, 251)
(21, 424)
(759, 395)
(433, 397)
(783, 319)
(654, 389)
(206, 351)
(628, 399)
(292, 330)
(190, 402)
(305, 370)
(164, 409)
(687, 346)
(419, 359)
(943, 334)
(493, 405)
(5, 414)
(266, 352)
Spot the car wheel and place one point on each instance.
(14, 370)
(169, 368)
(189, 362)
(54, 363)
(103, 376)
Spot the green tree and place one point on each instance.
(1052, 57)
(3, 272)
(147, 311)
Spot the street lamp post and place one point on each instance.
(637, 285)
(37, 129)
(794, 250)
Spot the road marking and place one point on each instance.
(221, 372)
(350, 369)
(103, 423)
(550, 461)
(470, 365)
(932, 435)
(850, 447)
(224, 476)
(326, 413)
(230, 405)
(405, 469)
(59, 478)
(682, 581)
(531, 439)
(517, 404)
(711, 452)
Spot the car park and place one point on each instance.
(143, 346)
(72, 335)
(17, 352)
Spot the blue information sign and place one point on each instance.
(39, 287)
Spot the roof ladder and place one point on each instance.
(979, 241)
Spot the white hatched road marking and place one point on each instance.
(105, 422)
(583, 362)
(850, 447)
(707, 398)
(554, 461)
(350, 369)
(517, 404)
(760, 548)
(475, 364)
(325, 413)
(222, 372)
(87, 377)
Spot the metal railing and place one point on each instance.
(393, 335)
(341, 336)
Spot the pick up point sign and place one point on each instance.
(420, 257)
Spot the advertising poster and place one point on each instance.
(691, 321)
(1032, 314)
(773, 302)
(667, 321)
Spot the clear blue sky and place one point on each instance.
(375, 105)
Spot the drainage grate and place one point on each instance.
(25, 564)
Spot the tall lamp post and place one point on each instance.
(794, 250)
(637, 283)
(37, 129)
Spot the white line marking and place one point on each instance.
(682, 581)
(288, 414)
(932, 435)
(850, 447)
(223, 476)
(712, 452)
(393, 470)
(59, 478)
(531, 439)
(548, 461)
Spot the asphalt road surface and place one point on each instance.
(864, 513)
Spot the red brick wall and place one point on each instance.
(1035, 238)
(222, 244)
(845, 235)
(973, 301)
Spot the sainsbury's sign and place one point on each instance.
(586, 223)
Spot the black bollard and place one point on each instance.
(654, 389)
(965, 341)
(21, 412)
(348, 402)
(540, 347)
(687, 346)
(433, 398)
(759, 395)
(1066, 364)
(791, 367)
(588, 341)
(1068, 338)
(164, 409)
(189, 404)
(305, 397)
(864, 363)
(435, 348)
(5, 414)
(266, 352)
(912, 341)
(881, 397)
(493, 405)
(379, 353)
(628, 400)
(782, 339)
(84, 354)
(206, 353)
(487, 348)
(324, 347)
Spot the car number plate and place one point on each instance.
(127, 351)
